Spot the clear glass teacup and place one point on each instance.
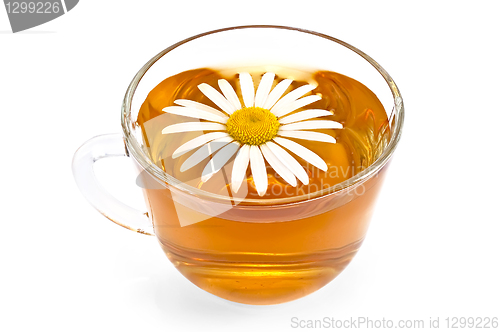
(252, 250)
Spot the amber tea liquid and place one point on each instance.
(245, 259)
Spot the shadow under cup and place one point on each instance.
(254, 251)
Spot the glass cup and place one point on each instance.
(253, 251)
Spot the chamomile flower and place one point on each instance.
(256, 130)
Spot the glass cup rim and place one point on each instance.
(133, 146)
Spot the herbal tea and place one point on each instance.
(262, 134)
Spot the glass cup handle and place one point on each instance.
(104, 146)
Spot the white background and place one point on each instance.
(432, 249)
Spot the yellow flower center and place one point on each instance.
(252, 125)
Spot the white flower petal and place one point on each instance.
(196, 142)
(199, 106)
(219, 160)
(192, 126)
(276, 164)
(302, 152)
(304, 115)
(293, 95)
(277, 92)
(290, 107)
(307, 135)
(313, 124)
(229, 93)
(240, 167)
(289, 161)
(264, 88)
(205, 151)
(216, 97)
(195, 113)
(247, 89)
(259, 172)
